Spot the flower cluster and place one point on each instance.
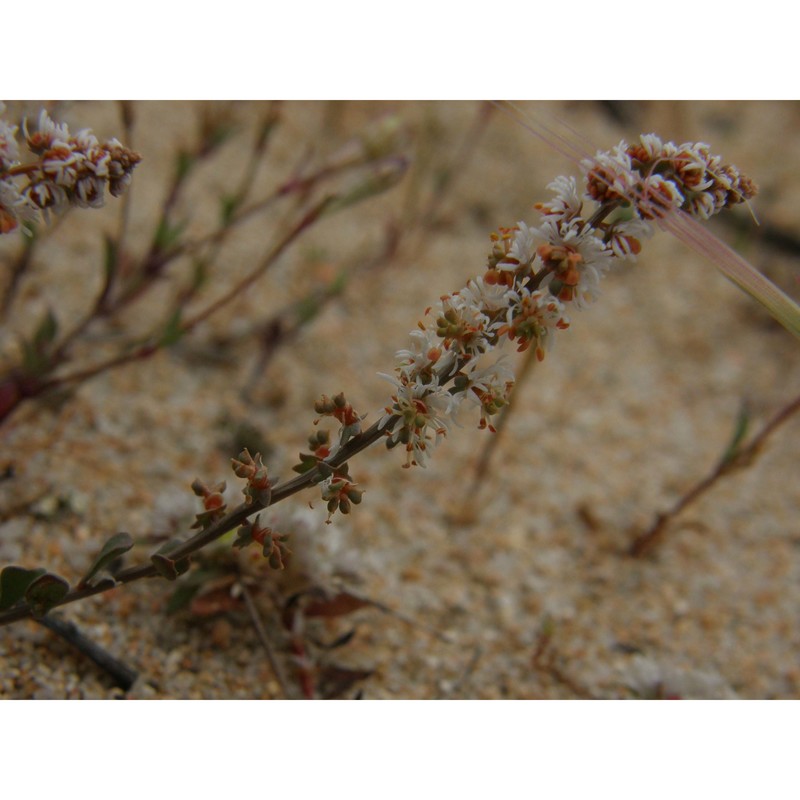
(67, 170)
(251, 468)
(658, 177)
(338, 408)
(273, 544)
(213, 503)
(339, 492)
(534, 274)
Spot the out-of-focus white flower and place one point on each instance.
(48, 134)
(9, 149)
(69, 170)
(624, 236)
(659, 177)
(14, 208)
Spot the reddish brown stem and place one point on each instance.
(230, 521)
(741, 458)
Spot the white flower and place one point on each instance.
(623, 233)
(85, 140)
(9, 149)
(488, 298)
(62, 168)
(652, 145)
(14, 208)
(523, 248)
(533, 318)
(49, 133)
(89, 192)
(422, 411)
(487, 387)
(658, 196)
(567, 202)
(462, 323)
(612, 173)
(47, 196)
(702, 205)
(593, 261)
(426, 352)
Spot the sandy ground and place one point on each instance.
(524, 589)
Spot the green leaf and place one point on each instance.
(381, 178)
(188, 588)
(739, 433)
(172, 330)
(35, 352)
(199, 274)
(168, 235)
(181, 597)
(244, 536)
(45, 592)
(116, 546)
(325, 470)
(46, 332)
(307, 462)
(228, 206)
(13, 583)
(183, 165)
(110, 259)
(165, 566)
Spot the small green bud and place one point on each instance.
(355, 495)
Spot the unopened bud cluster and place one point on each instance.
(339, 492)
(66, 170)
(213, 503)
(251, 468)
(273, 544)
(338, 408)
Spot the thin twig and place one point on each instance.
(264, 639)
(730, 462)
(15, 273)
(499, 424)
(230, 521)
(150, 348)
(123, 675)
(477, 652)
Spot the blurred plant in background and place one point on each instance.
(533, 276)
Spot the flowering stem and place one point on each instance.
(16, 271)
(482, 467)
(230, 521)
(264, 639)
